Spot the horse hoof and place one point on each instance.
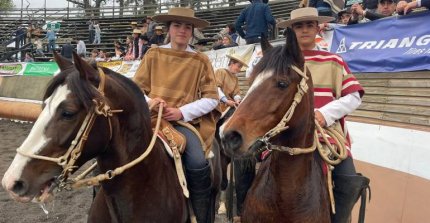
(222, 209)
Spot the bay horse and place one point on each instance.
(148, 192)
(276, 117)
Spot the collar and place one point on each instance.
(169, 46)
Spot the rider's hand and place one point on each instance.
(230, 103)
(320, 118)
(155, 103)
(172, 114)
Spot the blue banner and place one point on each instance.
(398, 43)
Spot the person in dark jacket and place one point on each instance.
(158, 38)
(136, 34)
(67, 50)
(385, 8)
(257, 18)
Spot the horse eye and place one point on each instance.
(282, 84)
(67, 115)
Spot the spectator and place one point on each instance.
(39, 46)
(143, 46)
(226, 42)
(324, 9)
(218, 42)
(50, 36)
(385, 8)
(101, 56)
(136, 34)
(256, 17)
(344, 16)
(197, 35)
(91, 31)
(28, 57)
(20, 37)
(98, 31)
(144, 28)
(151, 26)
(231, 30)
(94, 54)
(67, 50)
(133, 25)
(81, 48)
(129, 55)
(404, 7)
(119, 49)
(158, 38)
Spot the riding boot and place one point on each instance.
(347, 189)
(244, 173)
(200, 186)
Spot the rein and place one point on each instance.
(68, 160)
(329, 153)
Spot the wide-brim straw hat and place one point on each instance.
(137, 31)
(182, 15)
(238, 58)
(133, 23)
(158, 28)
(304, 14)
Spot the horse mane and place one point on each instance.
(85, 91)
(279, 58)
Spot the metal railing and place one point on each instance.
(114, 11)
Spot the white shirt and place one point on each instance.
(81, 48)
(196, 108)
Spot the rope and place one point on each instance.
(119, 170)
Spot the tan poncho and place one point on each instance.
(179, 78)
(228, 83)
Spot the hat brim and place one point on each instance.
(238, 60)
(319, 19)
(198, 23)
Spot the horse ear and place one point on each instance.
(293, 48)
(265, 45)
(62, 62)
(86, 71)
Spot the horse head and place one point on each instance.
(77, 123)
(275, 85)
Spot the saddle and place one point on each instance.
(169, 134)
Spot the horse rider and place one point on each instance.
(230, 97)
(337, 93)
(182, 81)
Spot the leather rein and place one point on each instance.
(67, 161)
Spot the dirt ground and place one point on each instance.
(68, 206)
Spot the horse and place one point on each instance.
(276, 119)
(119, 132)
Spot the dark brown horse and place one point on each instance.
(147, 192)
(287, 188)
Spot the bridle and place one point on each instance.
(263, 144)
(67, 161)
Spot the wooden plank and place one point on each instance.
(402, 109)
(401, 118)
(388, 123)
(388, 99)
(415, 74)
(422, 92)
(412, 83)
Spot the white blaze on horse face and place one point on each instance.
(37, 139)
(257, 82)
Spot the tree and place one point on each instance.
(6, 4)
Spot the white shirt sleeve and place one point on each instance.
(198, 108)
(221, 94)
(337, 109)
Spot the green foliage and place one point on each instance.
(6, 4)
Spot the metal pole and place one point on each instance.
(113, 10)
(22, 5)
(45, 10)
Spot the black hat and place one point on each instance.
(391, 1)
(343, 11)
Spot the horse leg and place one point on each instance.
(244, 174)
(98, 209)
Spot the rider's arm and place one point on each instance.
(198, 108)
(337, 109)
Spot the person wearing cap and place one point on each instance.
(158, 38)
(136, 34)
(344, 16)
(385, 8)
(183, 82)
(404, 7)
(257, 18)
(337, 93)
